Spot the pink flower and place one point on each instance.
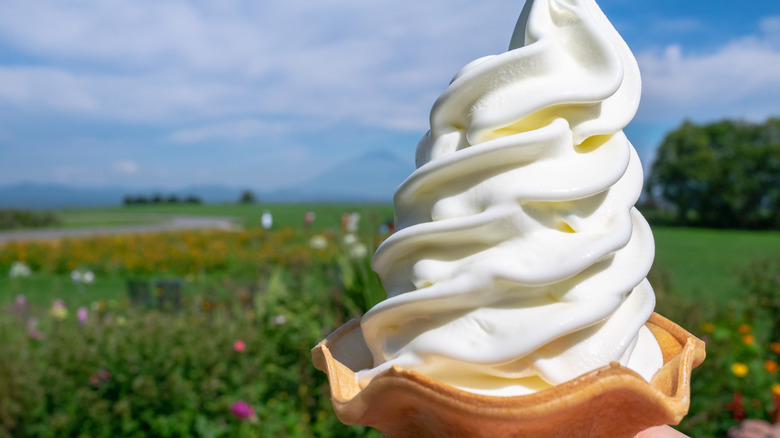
(82, 315)
(242, 410)
(99, 376)
(239, 346)
(32, 329)
(20, 304)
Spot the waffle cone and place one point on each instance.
(611, 401)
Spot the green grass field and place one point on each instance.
(42, 288)
(706, 264)
(695, 263)
(327, 215)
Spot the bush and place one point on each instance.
(132, 372)
(739, 379)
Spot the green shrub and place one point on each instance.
(740, 378)
(134, 372)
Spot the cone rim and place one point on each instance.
(668, 392)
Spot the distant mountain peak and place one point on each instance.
(370, 177)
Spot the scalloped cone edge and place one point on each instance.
(611, 401)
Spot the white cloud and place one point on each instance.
(45, 88)
(197, 61)
(196, 71)
(770, 26)
(126, 167)
(740, 80)
(238, 129)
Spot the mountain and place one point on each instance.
(372, 177)
(46, 195)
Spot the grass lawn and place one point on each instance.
(41, 289)
(327, 215)
(698, 263)
(87, 218)
(706, 264)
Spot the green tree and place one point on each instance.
(247, 197)
(723, 174)
(192, 199)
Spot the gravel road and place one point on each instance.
(173, 224)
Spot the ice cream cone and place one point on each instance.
(612, 401)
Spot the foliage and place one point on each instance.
(724, 174)
(160, 199)
(132, 371)
(11, 219)
(739, 379)
(129, 371)
(247, 197)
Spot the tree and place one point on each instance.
(247, 197)
(193, 199)
(724, 174)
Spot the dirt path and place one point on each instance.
(173, 224)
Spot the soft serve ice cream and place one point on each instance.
(520, 260)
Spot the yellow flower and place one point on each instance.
(775, 346)
(708, 327)
(58, 310)
(744, 328)
(59, 313)
(776, 388)
(748, 339)
(739, 369)
(770, 366)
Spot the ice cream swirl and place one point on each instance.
(520, 260)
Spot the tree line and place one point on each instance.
(246, 197)
(160, 199)
(723, 175)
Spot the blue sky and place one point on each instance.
(260, 94)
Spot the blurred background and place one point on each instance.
(190, 194)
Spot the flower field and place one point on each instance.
(208, 333)
(180, 253)
(739, 379)
(229, 358)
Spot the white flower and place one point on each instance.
(88, 277)
(75, 276)
(280, 319)
(318, 242)
(19, 269)
(358, 251)
(350, 239)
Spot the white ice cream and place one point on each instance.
(520, 261)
